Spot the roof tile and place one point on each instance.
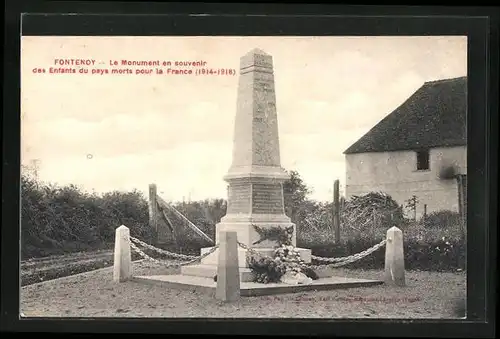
(434, 116)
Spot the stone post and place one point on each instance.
(122, 269)
(228, 275)
(394, 258)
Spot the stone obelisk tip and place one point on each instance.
(256, 57)
(257, 51)
(256, 142)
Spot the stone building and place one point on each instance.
(419, 149)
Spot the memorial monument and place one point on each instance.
(255, 199)
(255, 177)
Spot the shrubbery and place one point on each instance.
(441, 254)
(433, 243)
(58, 220)
(441, 220)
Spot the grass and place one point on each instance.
(94, 294)
(53, 267)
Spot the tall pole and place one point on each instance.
(153, 210)
(336, 210)
(415, 208)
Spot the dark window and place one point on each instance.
(422, 160)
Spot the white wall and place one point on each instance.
(395, 173)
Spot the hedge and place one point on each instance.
(441, 255)
(57, 220)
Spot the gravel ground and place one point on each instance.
(94, 294)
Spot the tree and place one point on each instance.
(411, 204)
(295, 193)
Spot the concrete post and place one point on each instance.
(228, 275)
(394, 258)
(122, 269)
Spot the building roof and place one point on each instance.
(434, 116)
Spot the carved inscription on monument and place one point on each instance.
(265, 131)
(262, 61)
(239, 198)
(267, 198)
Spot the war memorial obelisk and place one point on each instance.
(255, 192)
(255, 177)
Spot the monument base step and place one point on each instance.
(252, 289)
(210, 271)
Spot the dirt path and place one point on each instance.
(65, 258)
(47, 268)
(94, 294)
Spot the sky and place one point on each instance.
(105, 132)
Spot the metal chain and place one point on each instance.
(339, 262)
(212, 250)
(164, 252)
(332, 262)
(251, 250)
(171, 264)
(142, 254)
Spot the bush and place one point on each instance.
(266, 269)
(442, 219)
(57, 220)
(433, 249)
(439, 256)
(441, 250)
(370, 211)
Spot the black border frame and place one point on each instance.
(479, 24)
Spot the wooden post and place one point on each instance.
(336, 210)
(170, 225)
(461, 182)
(163, 204)
(394, 258)
(228, 272)
(122, 265)
(153, 210)
(414, 209)
(425, 210)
